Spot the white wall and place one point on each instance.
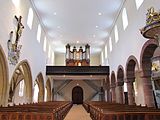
(32, 50)
(130, 40)
(95, 60)
(67, 90)
(60, 59)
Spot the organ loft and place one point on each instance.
(77, 57)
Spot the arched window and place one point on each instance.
(53, 58)
(39, 33)
(125, 87)
(30, 18)
(116, 33)
(102, 58)
(44, 44)
(36, 91)
(45, 95)
(110, 44)
(124, 18)
(106, 51)
(135, 88)
(138, 3)
(21, 88)
(49, 52)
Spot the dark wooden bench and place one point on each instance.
(114, 111)
(56, 110)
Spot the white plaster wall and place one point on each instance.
(95, 60)
(32, 50)
(67, 90)
(60, 59)
(130, 41)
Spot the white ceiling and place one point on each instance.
(69, 21)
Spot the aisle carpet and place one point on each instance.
(77, 112)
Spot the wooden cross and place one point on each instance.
(20, 27)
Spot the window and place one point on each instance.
(138, 3)
(49, 52)
(110, 44)
(21, 88)
(16, 2)
(125, 87)
(44, 44)
(36, 91)
(30, 18)
(39, 33)
(102, 58)
(53, 58)
(124, 18)
(106, 52)
(116, 33)
(135, 88)
(45, 95)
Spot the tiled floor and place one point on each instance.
(77, 112)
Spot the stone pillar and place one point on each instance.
(147, 88)
(113, 92)
(101, 94)
(53, 91)
(119, 92)
(131, 93)
(106, 87)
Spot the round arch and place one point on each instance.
(120, 83)
(147, 51)
(113, 78)
(77, 95)
(40, 83)
(21, 72)
(4, 79)
(145, 64)
(113, 85)
(132, 68)
(120, 74)
(48, 87)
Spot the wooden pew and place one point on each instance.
(114, 111)
(56, 110)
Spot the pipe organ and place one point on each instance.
(77, 57)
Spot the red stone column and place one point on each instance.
(113, 92)
(147, 88)
(131, 93)
(119, 92)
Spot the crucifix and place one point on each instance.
(14, 48)
(20, 27)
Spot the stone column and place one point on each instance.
(113, 92)
(147, 88)
(131, 93)
(101, 94)
(119, 92)
(107, 89)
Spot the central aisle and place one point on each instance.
(77, 112)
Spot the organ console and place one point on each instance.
(77, 57)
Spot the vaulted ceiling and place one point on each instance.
(78, 22)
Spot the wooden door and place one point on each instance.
(77, 95)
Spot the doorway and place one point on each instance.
(77, 95)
